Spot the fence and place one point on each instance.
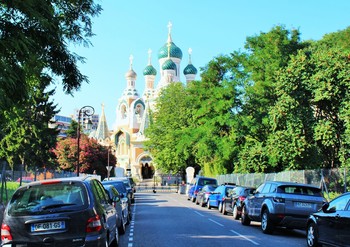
(333, 180)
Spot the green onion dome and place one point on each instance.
(149, 70)
(190, 70)
(174, 51)
(169, 65)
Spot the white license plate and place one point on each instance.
(48, 226)
(303, 205)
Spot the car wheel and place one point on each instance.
(193, 199)
(266, 224)
(235, 212)
(224, 208)
(115, 242)
(201, 203)
(121, 229)
(197, 202)
(220, 207)
(312, 235)
(208, 205)
(244, 217)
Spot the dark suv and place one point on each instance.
(60, 212)
(196, 184)
(283, 204)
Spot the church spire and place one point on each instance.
(102, 132)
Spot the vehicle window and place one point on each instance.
(37, 199)
(260, 188)
(209, 181)
(99, 192)
(266, 188)
(339, 203)
(300, 190)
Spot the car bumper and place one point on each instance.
(290, 221)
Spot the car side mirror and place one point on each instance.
(116, 199)
(326, 209)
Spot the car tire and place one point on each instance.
(235, 212)
(312, 235)
(244, 217)
(197, 202)
(220, 207)
(193, 199)
(208, 205)
(266, 225)
(122, 227)
(115, 242)
(201, 203)
(223, 208)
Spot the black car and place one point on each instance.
(60, 212)
(233, 202)
(121, 205)
(128, 184)
(123, 191)
(283, 204)
(203, 194)
(330, 225)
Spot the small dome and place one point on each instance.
(190, 70)
(174, 51)
(130, 73)
(169, 65)
(149, 70)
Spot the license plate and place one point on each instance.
(303, 205)
(48, 226)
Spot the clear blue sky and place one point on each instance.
(210, 28)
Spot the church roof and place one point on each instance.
(169, 65)
(174, 51)
(190, 70)
(149, 70)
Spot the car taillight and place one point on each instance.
(278, 200)
(241, 198)
(94, 224)
(196, 192)
(5, 233)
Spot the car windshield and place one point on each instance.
(205, 181)
(37, 199)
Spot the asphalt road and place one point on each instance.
(169, 219)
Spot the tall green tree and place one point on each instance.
(265, 54)
(27, 136)
(36, 30)
(167, 142)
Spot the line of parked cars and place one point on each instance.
(279, 204)
(75, 211)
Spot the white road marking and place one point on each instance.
(216, 222)
(242, 236)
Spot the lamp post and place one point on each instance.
(84, 111)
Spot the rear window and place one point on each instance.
(40, 199)
(299, 190)
(205, 181)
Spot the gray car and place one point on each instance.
(60, 212)
(282, 204)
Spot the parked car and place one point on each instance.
(204, 193)
(123, 191)
(60, 212)
(196, 184)
(128, 185)
(282, 204)
(331, 224)
(218, 196)
(233, 202)
(25, 179)
(121, 205)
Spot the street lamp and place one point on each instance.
(84, 111)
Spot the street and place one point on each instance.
(169, 219)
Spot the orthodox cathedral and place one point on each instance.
(132, 111)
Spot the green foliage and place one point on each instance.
(37, 32)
